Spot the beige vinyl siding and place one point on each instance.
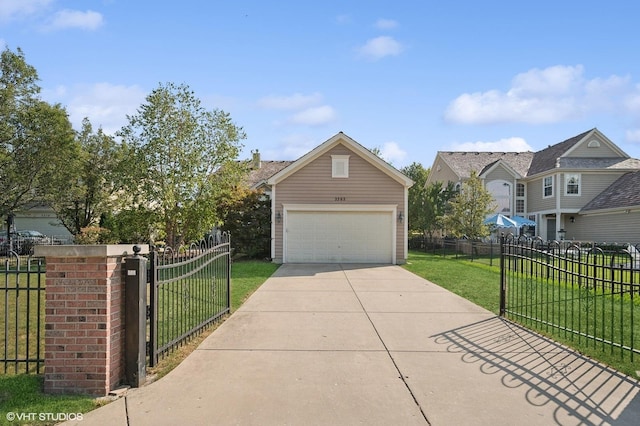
(616, 227)
(591, 184)
(441, 172)
(535, 200)
(366, 184)
(583, 151)
(500, 173)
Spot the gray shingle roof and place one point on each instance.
(463, 163)
(265, 171)
(620, 194)
(620, 163)
(546, 159)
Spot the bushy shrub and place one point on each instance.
(95, 235)
(248, 219)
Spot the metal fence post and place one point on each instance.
(228, 283)
(135, 318)
(503, 281)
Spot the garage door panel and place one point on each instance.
(347, 237)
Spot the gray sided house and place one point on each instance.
(339, 203)
(38, 217)
(584, 188)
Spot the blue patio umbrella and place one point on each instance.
(499, 220)
(523, 221)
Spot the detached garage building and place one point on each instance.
(340, 203)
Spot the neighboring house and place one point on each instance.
(260, 171)
(584, 188)
(339, 203)
(39, 217)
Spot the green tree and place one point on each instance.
(36, 138)
(436, 199)
(184, 159)
(417, 214)
(468, 210)
(248, 218)
(85, 191)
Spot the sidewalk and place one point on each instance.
(345, 345)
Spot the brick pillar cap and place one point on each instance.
(103, 250)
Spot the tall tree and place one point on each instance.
(85, 191)
(184, 159)
(417, 217)
(436, 199)
(36, 138)
(468, 210)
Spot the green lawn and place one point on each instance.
(475, 281)
(247, 277)
(480, 284)
(22, 393)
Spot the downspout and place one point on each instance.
(406, 225)
(273, 223)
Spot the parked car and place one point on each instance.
(34, 236)
(23, 242)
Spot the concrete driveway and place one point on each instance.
(374, 345)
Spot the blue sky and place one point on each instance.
(408, 77)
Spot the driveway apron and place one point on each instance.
(376, 345)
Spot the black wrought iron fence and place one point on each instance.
(189, 288)
(585, 292)
(22, 314)
(485, 251)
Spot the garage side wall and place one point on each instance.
(366, 184)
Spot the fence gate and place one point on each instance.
(189, 288)
(22, 314)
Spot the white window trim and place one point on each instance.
(340, 163)
(544, 187)
(566, 184)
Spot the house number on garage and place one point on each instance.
(340, 199)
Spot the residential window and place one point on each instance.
(547, 187)
(520, 190)
(340, 166)
(519, 206)
(572, 184)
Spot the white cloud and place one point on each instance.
(293, 102)
(315, 116)
(632, 100)
(633, 135)
(64, 19)
(392, 153)
(551, 81)
(106, 105)
(11, 9)
(386, 24)
(540, 96)
(379, 47)
(513, 144)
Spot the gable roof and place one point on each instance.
(463, 163)
(340, 137)
(546, 159)
(259, 176)
(527, 164)
(557, 156)
(623, 193)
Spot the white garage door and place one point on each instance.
(339, 237)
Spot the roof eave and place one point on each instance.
(330, 143)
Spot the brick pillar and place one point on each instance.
(84, 319)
